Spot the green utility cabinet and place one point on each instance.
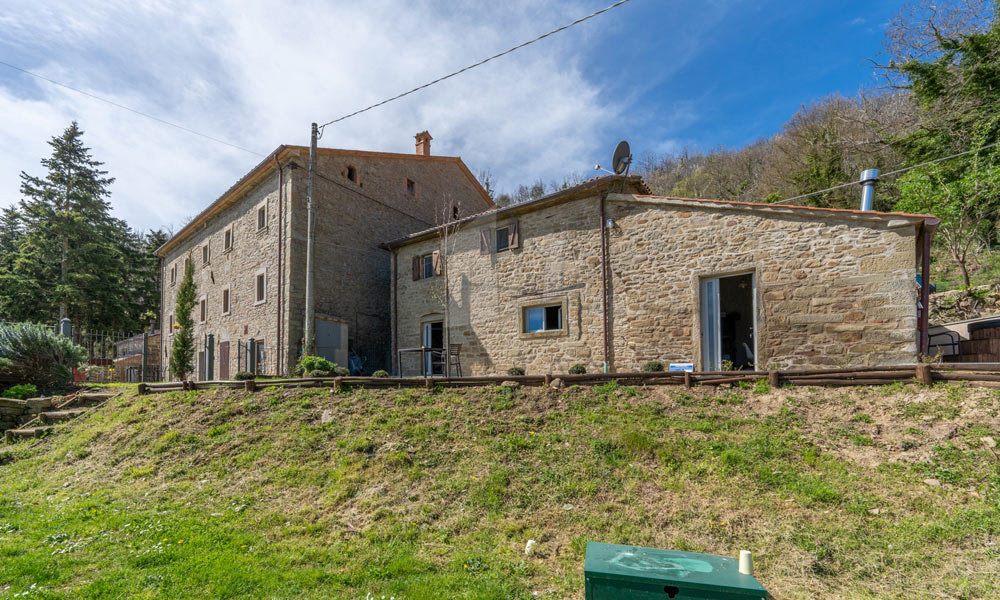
(615, 572)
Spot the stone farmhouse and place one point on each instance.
(606, 275)
(248, 249)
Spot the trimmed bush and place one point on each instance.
(20, 392)
(243, 376)
(515, 371)
(308, 364)
(318, 373)
(653, 366)
(36, 354)
(577, 370)
(341, 371)
(380, 373)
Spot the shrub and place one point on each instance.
(380, 373)
(308, 364)
(243, 376)
(341, 371)
(653, 366)
(577, 370)
(36, 354)
(20, 392)
(318, 373)
(515, 371)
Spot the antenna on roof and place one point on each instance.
(622, 162)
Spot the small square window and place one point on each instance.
(502, 239)
(454, 213)
(206, 255)
(352, 174)
(203, 310)
(171, 328)
(411, 187)
(428, 266)
(225, 301)
(227, 240)
(261, 217)
(173, 274)
(543, 318)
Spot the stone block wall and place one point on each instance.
(832, 290)
(14, 413)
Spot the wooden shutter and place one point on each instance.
(436, 259)
(513, 238)
(484, 240)
(416, 268)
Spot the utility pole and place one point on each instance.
(310, 324)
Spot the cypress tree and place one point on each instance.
(182, 352)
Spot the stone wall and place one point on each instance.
(14, 413)
(253, 250)
(832, 289)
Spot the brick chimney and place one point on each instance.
(423, 143)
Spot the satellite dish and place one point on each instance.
(622, 158)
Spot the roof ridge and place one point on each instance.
(788, 206)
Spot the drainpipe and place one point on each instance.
(927, 232)
(604, 281)
(281, 230)
(395, 311)
(868, 180)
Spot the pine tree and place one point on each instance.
(182, 352)
(70, 258)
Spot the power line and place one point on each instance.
(896, 172)
(132, 110)
(473, 66)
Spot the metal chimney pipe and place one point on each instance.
(868, 180)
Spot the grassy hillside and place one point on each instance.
(414, 494)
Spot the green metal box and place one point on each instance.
(615, 572)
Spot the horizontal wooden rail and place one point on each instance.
(985, 374)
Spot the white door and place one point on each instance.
(729, 322)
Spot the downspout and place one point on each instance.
(281, 287)
(395, 310)
(604, 280)
(927, 232)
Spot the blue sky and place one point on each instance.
(665, 75)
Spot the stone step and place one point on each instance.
(31, 432)
(54, 416)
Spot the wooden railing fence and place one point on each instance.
(976, 374)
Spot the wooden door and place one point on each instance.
(223, 360)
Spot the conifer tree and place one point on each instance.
(70, 258)
(182, 352)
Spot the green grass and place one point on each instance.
(414, 494)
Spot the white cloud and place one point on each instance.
(257, 75)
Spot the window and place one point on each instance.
(502, 239)
(260, 287)
(225, 301)
(428, 266)
(171, 329)
(411, 187)
(173, 274)
(543, 318)
(206, 255)
(227, 240)
(202, 309)
(261, 217)
(352, 174)
(454, 213)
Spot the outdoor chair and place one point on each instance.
(454, 350)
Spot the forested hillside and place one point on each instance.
(939, 95)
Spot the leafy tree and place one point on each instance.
(182, 352)
(965, 203)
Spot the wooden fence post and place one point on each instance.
(427, 383)
(924, 375)
(774, 378)
(687, 379)
(250, 385)
(141, 389)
